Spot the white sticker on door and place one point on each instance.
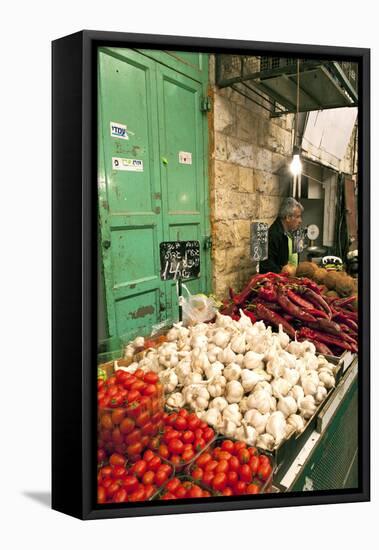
(119, 130)
(185, 158)
(131, 165)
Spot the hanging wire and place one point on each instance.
(297, 101)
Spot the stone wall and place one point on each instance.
(248, 152)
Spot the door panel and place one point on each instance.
(183, 184)
(131, 223)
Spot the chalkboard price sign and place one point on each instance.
(179, 260)
(259, 241)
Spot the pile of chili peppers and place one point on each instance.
(297, 305)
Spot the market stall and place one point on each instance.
(251, 401)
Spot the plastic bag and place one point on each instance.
(197, 308)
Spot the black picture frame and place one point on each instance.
(74, 268)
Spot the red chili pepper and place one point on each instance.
(269, 305)
(324, 338)
(298, 300)
(325, 325)
(267, 293)
(341, 302)
(317, 313)
(250, 314)
(240, 299)
(266, 314)
(294, 310)
(231, 293)
(315, 299)
(346, 320)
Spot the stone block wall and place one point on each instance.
(248, 151)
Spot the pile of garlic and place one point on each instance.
(241, 378)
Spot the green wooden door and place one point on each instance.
(150, 189)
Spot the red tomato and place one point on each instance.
(211, 466)
(166, 468)
(208, 434)
(170, 434)
(149, 390)
(171, 419)
(197, 473)
(133, 395)
(155, 463)
(175, 459)
(163, 451)
(139, 373)
(168, 496)
(243, 456)
(118, 415)
(130, 484)
(252, 489)
(100, 384)
(127, 426)
(187, 455)
(244, 473)
(227, 492)
(133, 437)
(106, 422)
(139, 468)
(134, 449)
(188, 436)
(224, 455)
(106, 471)
(203, 425)
(111, 380)
(175, 446)
(195, 492)
(120, 496)
(254, 464)
(264, 471)
(143, 418)
(183, 412)
(199, 444)
(219, 481)
(238, 445)
(180, 423)
(154, 443)
(112, 489)
(173, 485)
(222, 467)
(234, 464)
(148, 455)
(113, 391)
(150, 490)
(193, 422)
(203, 459)
(148, 477)
(129, 382)
(101, 495)
(198, 433)
(117, 436)
(160, 478)
(118, 471)
(187, 446)
(101, 456)
(117, 460)
(137, 495)
(252, 451)
(138, 385)
(181, 492)
(232, 478)
(145, 440)
(264, 459)
(121, 449)
(150, 378)
(240, 488)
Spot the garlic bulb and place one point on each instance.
(276, 366)
(327, 379)
(169, 380)
(199, 360)
(219, 403)
(264, 385)
(239, 359)
(247, 434)
(249, 379)
(234, 391)
(172, 335)
(257, 420)
(311, 360)
(320, 394)
(223, 320)
(280, 386)
(292, 376)
(226, 356)
(216, 386)
(221, 338)
(296, 392)
(287, 405)
(139, 342)
(176, 400)
(252, 360)
(266, 442)
(238, 343)
(260, 400)
(129, 351)
(307, 406)
(229, 429)
(276, 426)
(183, 370)
(212, 417)
(213, 352)
(243, 405)
(213, 369)
(193, 378)
(232, 371)
(296, 421)
(309, 385)
(199, 341)
(244, 321)
(283, 337)
(196, 396)
(232, 412)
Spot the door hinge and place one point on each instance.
(207, 242)
(206, 105)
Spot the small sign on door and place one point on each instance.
(119, 130)
(130, 165)
(185, 158)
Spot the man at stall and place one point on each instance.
(280, 241)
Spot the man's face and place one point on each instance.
(294, 221)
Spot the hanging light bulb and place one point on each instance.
(296, 164)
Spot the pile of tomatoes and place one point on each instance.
(181, 488)
(118, 483)
(130, 408)
(184, 436)
(232, 468)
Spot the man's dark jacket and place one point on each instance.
(277, 249)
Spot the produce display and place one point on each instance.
(297, 304)
(336, 284)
